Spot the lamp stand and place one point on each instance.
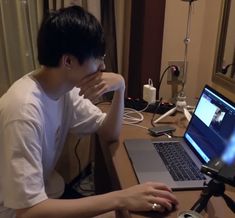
(181, 104)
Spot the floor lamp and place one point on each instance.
(181, 104)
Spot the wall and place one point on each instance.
(201, 49)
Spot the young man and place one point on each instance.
(38, 111)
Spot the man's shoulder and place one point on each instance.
(22, 97)
(21, 89)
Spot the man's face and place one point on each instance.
(89, 67)
(92, 65)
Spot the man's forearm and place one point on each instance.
(84, 207)
(112, 124)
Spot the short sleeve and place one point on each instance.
(86, 117)
(21, 164)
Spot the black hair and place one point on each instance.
(70, 30)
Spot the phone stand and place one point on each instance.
(213, 188)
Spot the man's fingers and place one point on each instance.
(93, 78)
(94, 92)
(162, 186)
(95, 88)
(166, 195)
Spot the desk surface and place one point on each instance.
(124, 174)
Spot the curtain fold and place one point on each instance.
(19, 23)
(109, 26)
(116, 21)
(90, 5)
(123, 23)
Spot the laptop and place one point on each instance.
(206, 137)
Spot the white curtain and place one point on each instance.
(19, 22)
(93, 6)
(123, 24)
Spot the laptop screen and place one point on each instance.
(211, 131)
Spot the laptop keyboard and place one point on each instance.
(178, 162)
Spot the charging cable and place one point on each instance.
(133, 117)
(167, 135)
(175, 70)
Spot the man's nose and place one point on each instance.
(102, 66)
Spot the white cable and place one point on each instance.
(167, 135)
(132, 116)
(132, 124)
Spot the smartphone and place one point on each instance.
(160, 130)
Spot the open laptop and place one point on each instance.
(206, 137)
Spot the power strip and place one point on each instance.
(139, 104)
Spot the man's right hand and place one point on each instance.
(95, 85)
(142, 197)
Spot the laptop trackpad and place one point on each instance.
(148, 161)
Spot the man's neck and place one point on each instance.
(52, 81)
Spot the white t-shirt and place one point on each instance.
(33, 129)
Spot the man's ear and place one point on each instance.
(67, 61)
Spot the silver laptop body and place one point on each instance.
(203, 140)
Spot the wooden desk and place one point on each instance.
(122, 175)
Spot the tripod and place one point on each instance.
(181, 104)
(214, 188)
